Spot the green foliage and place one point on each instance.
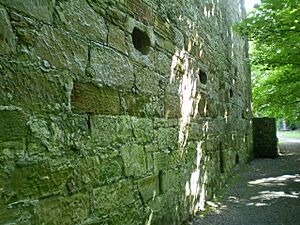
(274, 28)
(276, 92)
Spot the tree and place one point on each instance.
(274, 29)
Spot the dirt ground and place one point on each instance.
(265, 192)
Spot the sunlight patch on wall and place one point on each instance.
(182, 69)
(148, 222)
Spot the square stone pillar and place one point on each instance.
(264, 138)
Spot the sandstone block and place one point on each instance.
(33, 90)
(61, 49)
(134, 160)
(142, 10)
(78, 16)
(13, 124)
(148, 81)
(264, 138)
(117, 73)
(108, 198)
(164, 64)
(135, 104)
(88, 98)
(161, 161)
(116, 38)
(143, 130)
(62, 210)
(149, 187)
(38, 179)
(173, 106)
(7, 37)
(169, 181)
(40, 9)
(130, 214)
(108, 130)
(167, 138)
(111, 169)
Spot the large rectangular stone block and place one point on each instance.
(164, 161)
(109, 130)
(34, 89)
(12, 124)
(147, 81)
(34, 180)
(108, 198)
(40, 9)
(61, 49)
(110, 68)
(141, 9)
(117, 38)
(62, 210)
(135, 104)
(12, 150)
(89, 98)
(128, 215)
(134, 160)
(80, 17)
(143, 130)
(143, 105)
(149, 187)
(92, 172)
(173, 106)
(169, 181)
(167, 138)
(7, 37)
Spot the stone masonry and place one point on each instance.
(264, 138)
(119, 112)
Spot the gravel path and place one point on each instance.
(265, 192)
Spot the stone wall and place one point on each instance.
(119, 111)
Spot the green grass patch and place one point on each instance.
(289, 134)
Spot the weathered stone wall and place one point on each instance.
(264, 138)
(119, 111)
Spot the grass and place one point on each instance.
(289, 134)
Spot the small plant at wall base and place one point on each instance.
(274, 29)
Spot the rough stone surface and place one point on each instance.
(149, 187)
(116, 73)
(61, 49)
(7, 37)
(41, 10)
(88, 98)
(77, 16)
(104, 114)
(13, 124)
(134, 158)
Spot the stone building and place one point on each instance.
(119, 111)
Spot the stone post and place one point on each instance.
(264, 138)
